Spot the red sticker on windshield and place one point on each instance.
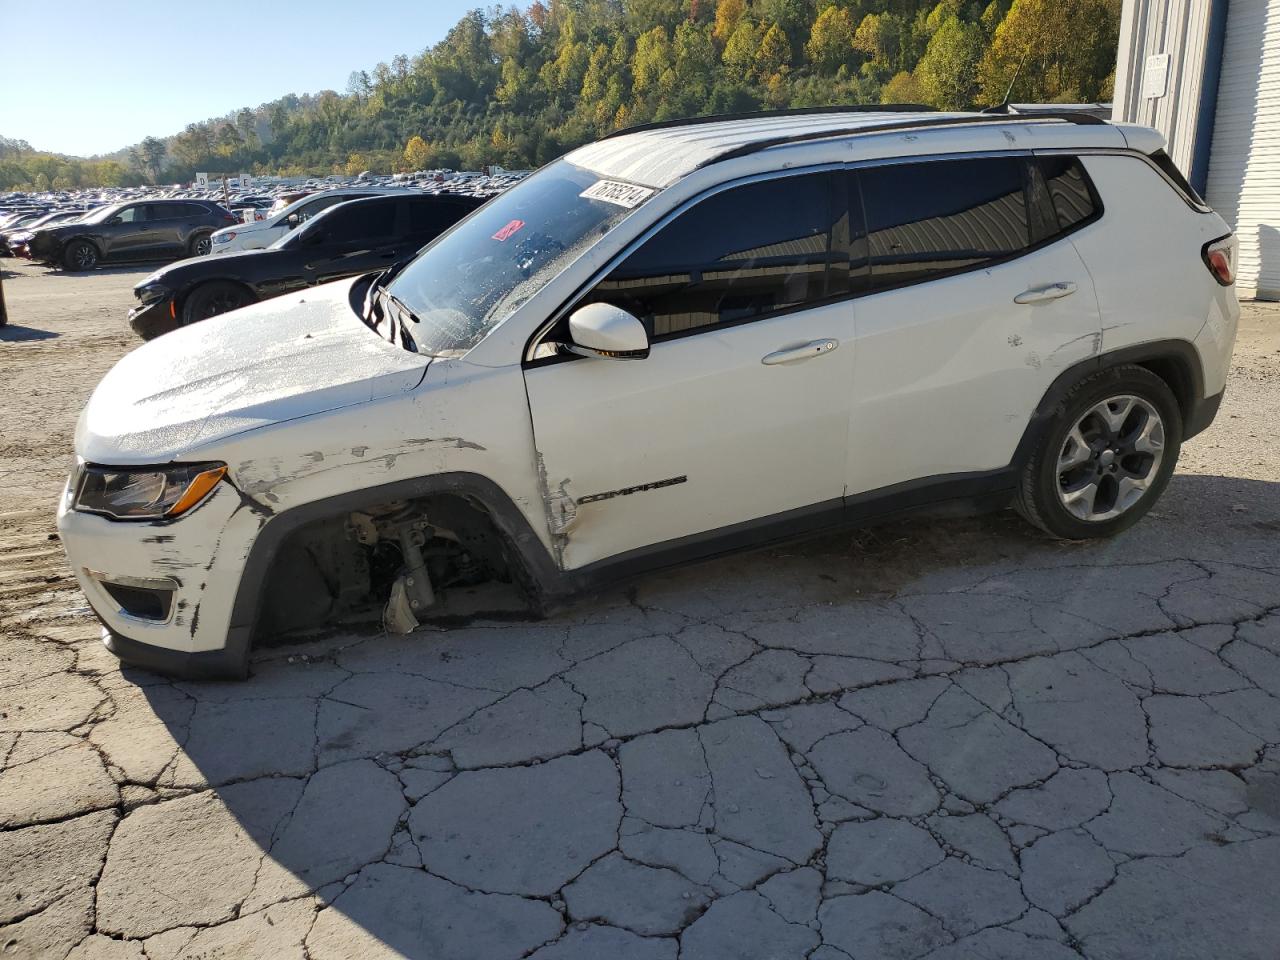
(509, 230)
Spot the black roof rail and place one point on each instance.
(765, 114)
(747, 149)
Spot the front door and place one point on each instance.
(130, 234)
(978, 302)
(740, 412)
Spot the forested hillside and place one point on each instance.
(519, 87)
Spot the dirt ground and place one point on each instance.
(949, 739)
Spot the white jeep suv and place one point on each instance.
(683, 339)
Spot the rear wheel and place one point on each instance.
(211, 299)
(199, 246)
(1106, 457)
(80, 255)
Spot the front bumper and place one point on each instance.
(194, 556)
(150, 320)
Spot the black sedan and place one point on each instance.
(139, 230)
(359, 236)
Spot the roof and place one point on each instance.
(661, 154)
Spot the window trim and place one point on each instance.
(1027, 155)
(1202, 207)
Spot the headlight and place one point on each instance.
(151, 292)
(224, 237)
(147, 493)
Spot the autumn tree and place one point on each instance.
(416, 153)
(947, 72)
(774, 53)
(728, 16)
(1067, 49)
(831, 39)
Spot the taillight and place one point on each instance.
(1220, 257)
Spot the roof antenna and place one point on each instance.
(1003, 105)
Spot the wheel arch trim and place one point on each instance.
(1171, 360)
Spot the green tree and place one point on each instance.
(741, 50)
(153, 151)
(774, 53)
(948, 70)
(830, 43)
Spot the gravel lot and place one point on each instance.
(945, 740)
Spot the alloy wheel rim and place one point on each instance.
(85, 257)
(1110, 457)
(202, 246)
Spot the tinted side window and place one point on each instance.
(323, 203)
(741, 254)
(929, 219)
(426, 219)
(135, 214)
(1069, 191)
(165, 211)
(364, 221)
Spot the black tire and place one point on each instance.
(200, 245)
(80, 255)
(1126, 480)
(214, 298)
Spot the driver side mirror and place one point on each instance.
(114, 220)
(292, 221)
(603, 330)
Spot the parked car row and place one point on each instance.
(79, 230)
(347, 238)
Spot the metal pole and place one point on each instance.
(4, 314)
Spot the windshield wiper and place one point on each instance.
(406, 339)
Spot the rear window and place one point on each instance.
(428, 218)
(361, 221)
(928, 219)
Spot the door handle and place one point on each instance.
(1054, 291)
(814, 348)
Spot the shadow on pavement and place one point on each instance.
(464, 793)
(14, 333)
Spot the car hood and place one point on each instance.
(295, 356)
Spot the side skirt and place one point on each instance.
(960, 494)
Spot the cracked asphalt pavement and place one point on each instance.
(943, 739)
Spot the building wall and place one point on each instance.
(1180, 29)
(1244, 161)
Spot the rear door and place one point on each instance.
(168, 226)
(979, 300)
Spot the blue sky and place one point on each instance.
(86, 77)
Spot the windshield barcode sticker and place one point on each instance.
(614, 191)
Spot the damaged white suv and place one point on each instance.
(683, 339)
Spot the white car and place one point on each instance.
(260, 234)
(681, 340)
